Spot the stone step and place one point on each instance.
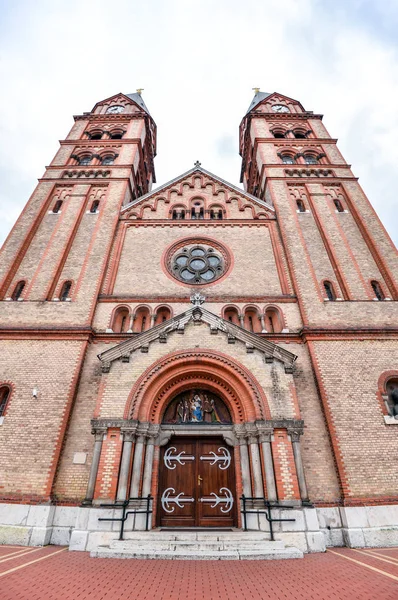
(268, 554)
(194, 535)
(195, 544)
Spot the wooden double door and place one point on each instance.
(197, 483)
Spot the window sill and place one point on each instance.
(389, 420)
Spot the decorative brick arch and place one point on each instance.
(204, 368)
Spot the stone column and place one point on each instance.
(138, 456)
(99, 436)
(265, 441)
(263, 327)
(147, 477)
(128, 439)
(244, 459)
(295, 437)
(255, 460)
(150, 448)
(242, 321)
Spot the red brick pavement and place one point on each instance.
(52, 573)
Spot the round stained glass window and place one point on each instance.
(197, 264)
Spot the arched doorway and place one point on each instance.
(197, 467)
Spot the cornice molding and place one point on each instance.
(209, 300)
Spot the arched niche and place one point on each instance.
(197, 407)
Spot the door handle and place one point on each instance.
(200, 479)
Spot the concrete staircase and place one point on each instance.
(197, 545)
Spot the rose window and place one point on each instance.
(197, 264)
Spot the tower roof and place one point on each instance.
(258, 97)
(137, 98)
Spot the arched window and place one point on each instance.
(18, 290)
(116, 135)
(108, 160)
(273, 321)
(338, 205)
(278, 134)
(377, 290)
(231, 315)
(216, 213)
(174, 215)
(299, 134)
(163, 313)
(57, 206)
(142, 319)
(329, 290)
(121, 320)
(310, 159)
(4, 397)
(95, 135)
(84, 160)
(287, 159)
(392, 396)
(64, 295)
(300, 206)
(94, 206)
(252, 320)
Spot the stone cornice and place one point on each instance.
(177, 324)
(110, 117)
(310, 333)
(185, 300)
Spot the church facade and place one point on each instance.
(199, 346)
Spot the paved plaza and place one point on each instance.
(54, 573)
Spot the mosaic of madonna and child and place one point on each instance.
(197, 406)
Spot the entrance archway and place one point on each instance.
(196, 467)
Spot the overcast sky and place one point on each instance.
(198, 61)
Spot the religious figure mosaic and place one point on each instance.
(197, 406)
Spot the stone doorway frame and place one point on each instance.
(226, 432)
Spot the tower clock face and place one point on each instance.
(115, 109)
(279, 108)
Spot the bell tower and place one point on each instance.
(58, 249)
(338, 251)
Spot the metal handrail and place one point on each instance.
(123, 504)
(268, 505)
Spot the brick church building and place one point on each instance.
(198, 343)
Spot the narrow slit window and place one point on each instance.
(377, 290)
(4, 396)
(18, 290)
(338, 205)
(94, 207)
(300, 206)
(57, 206)
(329, 291)
(65, 291)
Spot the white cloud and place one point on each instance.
(198, 62)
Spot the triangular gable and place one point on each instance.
(131, 99)
(262, 97)
(212, 178)
(196, 313)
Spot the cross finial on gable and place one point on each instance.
(256, 90)
(139, 90)
(197, 299)
(197, 164)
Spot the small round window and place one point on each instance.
(197, 264)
